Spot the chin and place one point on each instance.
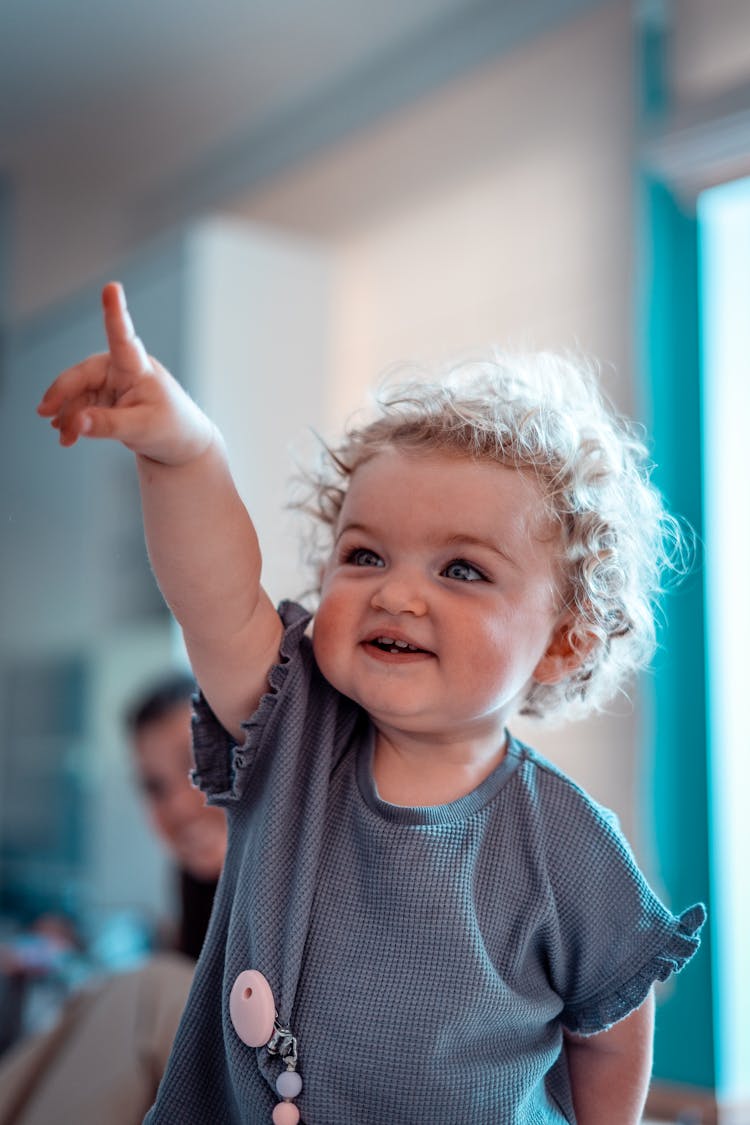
(406, 718)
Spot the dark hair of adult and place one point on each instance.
(161, 697)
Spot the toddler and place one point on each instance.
(420, 920)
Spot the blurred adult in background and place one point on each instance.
(194, 833)
(103, 1059)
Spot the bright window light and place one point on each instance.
(724, 217)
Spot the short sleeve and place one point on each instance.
(221, 764)
(613, 937)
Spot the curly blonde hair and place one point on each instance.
(541, 413)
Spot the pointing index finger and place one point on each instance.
(125, 348)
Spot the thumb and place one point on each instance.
(125, 424)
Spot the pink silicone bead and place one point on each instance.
(251, 1008)
(285, 1113)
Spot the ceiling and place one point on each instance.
(58, 58)
(186, 103)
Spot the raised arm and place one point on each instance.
(201, 540)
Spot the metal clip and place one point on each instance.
(283, 1044)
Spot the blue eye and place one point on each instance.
(362, 556)
(461, 571)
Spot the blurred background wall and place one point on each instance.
(298, 196)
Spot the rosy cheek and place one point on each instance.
(323, 638)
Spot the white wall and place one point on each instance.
(257, 350)
(528, 244)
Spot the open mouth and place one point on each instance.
(395, 647)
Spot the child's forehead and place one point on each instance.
(451, 483)
(423, 462)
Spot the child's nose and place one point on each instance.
(400, 594)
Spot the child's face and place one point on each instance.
(454, 563)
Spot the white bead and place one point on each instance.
(289, 1084)
(285, 1113)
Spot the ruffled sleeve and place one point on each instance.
(221, 764)
(600, 1012)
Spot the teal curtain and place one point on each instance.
(675, 776)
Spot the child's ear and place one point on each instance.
(562, 656)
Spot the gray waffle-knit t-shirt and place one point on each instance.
(426, 959)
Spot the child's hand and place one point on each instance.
(126, 395)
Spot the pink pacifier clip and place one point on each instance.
(253, 1014)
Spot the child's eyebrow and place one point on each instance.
(357, 528)
(462, 540)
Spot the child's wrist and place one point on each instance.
(179, 453)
